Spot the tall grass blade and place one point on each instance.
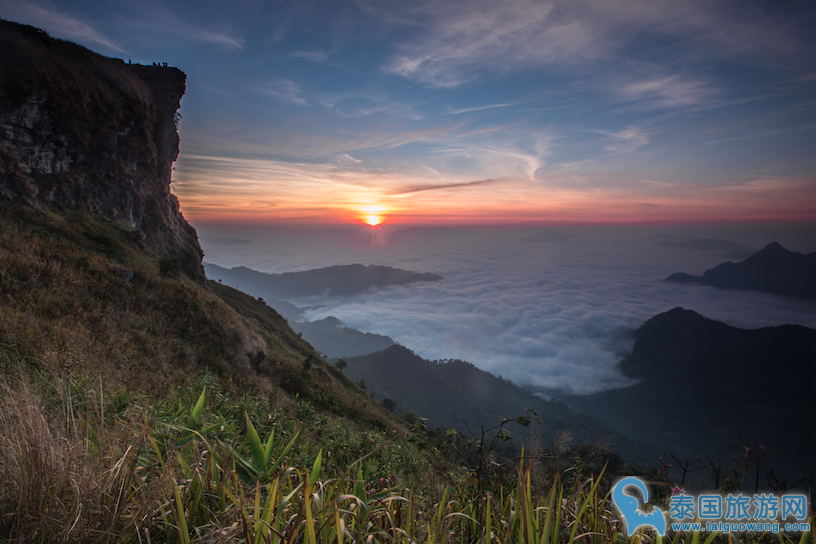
(255, 446)
(195, 416)
(584, 505)
(272, 466)
(307, 505)
(545, 536)
(178, 514)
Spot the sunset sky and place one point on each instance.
(477, 112)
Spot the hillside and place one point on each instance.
(118, 364)
(103, 350)
(773, 269)
(98, 305)
(140, 402)
(456, 394)
(709, 387)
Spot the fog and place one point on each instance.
(550, 315)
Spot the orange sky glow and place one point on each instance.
(264, 193)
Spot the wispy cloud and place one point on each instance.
(435, 187)
(155, 17)
(667, 92)
(626, 140)
(56, 22)
(335, 190)
(314, 56)
(201, 35)
(464, 41)
(285, 90)
(345, 157)
(152, 17)
(478, 108)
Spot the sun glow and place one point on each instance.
(372, 214)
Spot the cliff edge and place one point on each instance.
(85, 132)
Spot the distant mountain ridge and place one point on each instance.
(706, 386)
(340, 280)
(773, 269)
(326, 335)
(330, 338)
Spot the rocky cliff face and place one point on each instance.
(85, 132)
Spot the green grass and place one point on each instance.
(134, 408)
(196, 470)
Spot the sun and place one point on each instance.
(372, 215)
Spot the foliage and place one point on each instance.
(130, 412)
(170, 267)
(177, 472)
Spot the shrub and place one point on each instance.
(170, 267)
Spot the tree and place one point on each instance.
(308, 362)
(389, 404)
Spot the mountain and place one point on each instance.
(101, 276)
(83, 132)
(454, 393)
(704, 386)
(773, 269)
(136, 397)
(334, 280)
(330, 338)
(704, 244)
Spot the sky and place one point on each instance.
(464, 112)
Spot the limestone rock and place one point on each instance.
(86, 132)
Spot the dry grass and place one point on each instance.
(67, 306)
(64, 479)
(100, 440)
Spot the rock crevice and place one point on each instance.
(85, 132)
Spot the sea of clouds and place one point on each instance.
(549, 315)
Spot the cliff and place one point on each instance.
(85, 132)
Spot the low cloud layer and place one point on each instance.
(554, 316)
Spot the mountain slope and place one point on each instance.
(455, 393)
(79, 296)
(773, 269)
(705, 386)
(93, 245)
